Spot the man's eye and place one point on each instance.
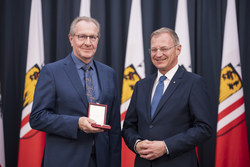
(82, 36)
(154, 50)
(92, 37)
(164, 49)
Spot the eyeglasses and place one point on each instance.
(82, 37)
(162, 49)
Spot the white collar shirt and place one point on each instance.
(169, 76)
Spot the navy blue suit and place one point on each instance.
(59, 101)
(181, 119)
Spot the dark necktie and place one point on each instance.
(157, 96)
(89, 86)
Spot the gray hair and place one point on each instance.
(171, 32)
(84, 18)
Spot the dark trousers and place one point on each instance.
(92, 161)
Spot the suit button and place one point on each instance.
(151, 126)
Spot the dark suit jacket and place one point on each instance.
(58, 103)
(181, 119)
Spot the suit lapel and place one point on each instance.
(101, 79)
(175, 81)
(71, 72)
(148, 92)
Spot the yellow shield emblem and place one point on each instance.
(31, 78)
(230, 82)
(130, 77)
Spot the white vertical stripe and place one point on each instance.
(134, 50)
(85, 8)
(231, 52)
(35, 43)
(182, 30)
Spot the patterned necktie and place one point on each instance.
(157, 96)
(89, 86)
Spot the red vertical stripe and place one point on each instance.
(128, 157)
(27, 157)
(232, 148)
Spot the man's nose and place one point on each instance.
(158, 53)
(87, 41)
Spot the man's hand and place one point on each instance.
(151, 150)
(84, 123)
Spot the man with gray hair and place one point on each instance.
(64, 92)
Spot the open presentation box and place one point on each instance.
(98, 113)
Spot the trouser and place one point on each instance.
(92, 161)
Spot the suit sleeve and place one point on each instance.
(43, 116)
(200, 127)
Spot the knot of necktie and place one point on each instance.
(162, 78)
(86, 67)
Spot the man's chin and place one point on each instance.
(159, 65)
(87, 54)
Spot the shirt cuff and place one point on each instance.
(167, 152)
(138, 140)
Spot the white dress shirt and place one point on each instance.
(166, 82)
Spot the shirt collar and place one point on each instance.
(169, 74)
(79, 64)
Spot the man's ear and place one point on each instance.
(178, 49)
(70, 39)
